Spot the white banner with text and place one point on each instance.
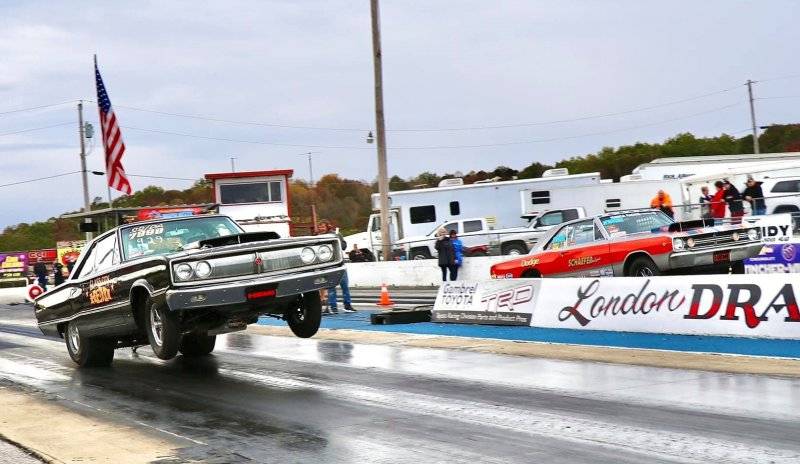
(728, 305)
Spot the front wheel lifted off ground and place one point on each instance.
(305, 315)
(86, 351)
(162, 330)
(194, 344)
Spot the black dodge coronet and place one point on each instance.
(177, 283)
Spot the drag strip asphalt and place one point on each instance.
(262, 398)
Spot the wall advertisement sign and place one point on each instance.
(725, 305)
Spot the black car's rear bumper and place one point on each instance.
(235, 293)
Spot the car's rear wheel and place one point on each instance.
(88, 351)
(305, 315)
(514, 249)
(162, 330)
(643, 266)
(197, 344)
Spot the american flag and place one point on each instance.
(112, 138)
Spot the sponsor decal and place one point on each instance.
(743, 297)
(788, 252)
(583, 261)
(588, 307)
(459, 295)
(145, 231)
(100, 290)
(529, 262)
(13, 266)
(775, 259)
(507, 300)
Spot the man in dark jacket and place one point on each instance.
(734, 200)
(41, 273)
(58, 273)
(755, 196)
(447, 255)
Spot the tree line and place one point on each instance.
(346, 203)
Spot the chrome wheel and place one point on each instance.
(645, 272)
(74, 338)
(156, 325)
(514, 252)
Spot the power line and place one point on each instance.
(788, 76)
(39, 178)
(436, 147)
(37, 128)
(445, 129)
(31, 108)
(778, 97)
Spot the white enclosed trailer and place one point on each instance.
(417, 212)
(603, 197)
(685, 166)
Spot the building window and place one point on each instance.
(422, 214)
(614, 203)
(455, 208)
(256, 192)
(541, 197)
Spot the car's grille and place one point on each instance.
(719, 239)
(278, 260)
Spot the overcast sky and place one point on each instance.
(447, 64)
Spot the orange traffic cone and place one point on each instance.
(385, 300)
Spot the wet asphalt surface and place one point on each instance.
(274, 399)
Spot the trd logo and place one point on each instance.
(507, 300)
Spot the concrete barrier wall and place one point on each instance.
(421, 273)
(12, 295)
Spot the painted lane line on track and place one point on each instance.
(644, 441)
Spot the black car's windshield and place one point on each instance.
(160, 238)
(635, 223)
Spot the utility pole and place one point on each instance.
(756, 149)
(383, 180)
(84, 174)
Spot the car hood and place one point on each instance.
(247, 240)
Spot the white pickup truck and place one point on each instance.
(480, 239)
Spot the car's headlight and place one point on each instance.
(324, 253)
(183, 271)
(690, 242)
(678, 244)
(307, 256)
(753, 234)
(202, 269)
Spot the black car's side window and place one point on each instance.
(101, 256)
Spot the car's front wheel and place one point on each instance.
(86, 351)
(643, 266)
(197, 344)
(162, 331)
(305, 315)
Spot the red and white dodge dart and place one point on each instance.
(636, 243)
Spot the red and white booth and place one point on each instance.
(257, 200)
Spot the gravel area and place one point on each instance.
(10, 454)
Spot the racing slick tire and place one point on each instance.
(514, 249)
(642, 266)
(86, 351)
(197, 344)
(305, 315)
(162, 330)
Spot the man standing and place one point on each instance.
(41, 273)
(58, 273)
(327, 228)
(718, 201)
(663, 202)
(734, 200)
(755, 196)
(705, 203)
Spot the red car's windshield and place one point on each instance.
(634, 223)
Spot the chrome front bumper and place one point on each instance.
(706, 257)
(233, 293)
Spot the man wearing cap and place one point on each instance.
(755, 196)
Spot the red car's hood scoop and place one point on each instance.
(237, 239)
(688, 225)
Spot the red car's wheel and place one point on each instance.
(643, 266)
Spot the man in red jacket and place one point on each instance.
(718, 201)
